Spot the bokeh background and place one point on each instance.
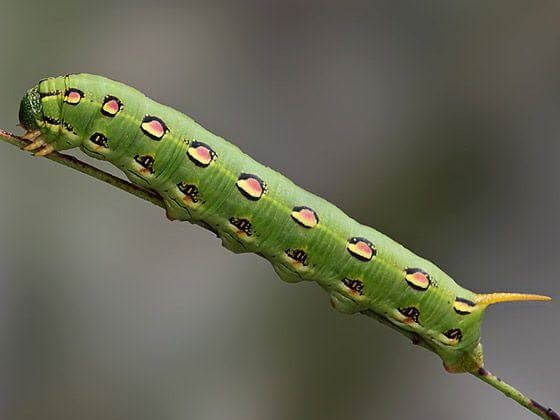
(436, 122)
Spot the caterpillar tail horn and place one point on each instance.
(491, 298)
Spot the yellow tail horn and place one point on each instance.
(491, 298)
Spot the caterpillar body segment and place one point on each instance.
(208, 181)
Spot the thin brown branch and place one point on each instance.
(511, 392)
(87, 169)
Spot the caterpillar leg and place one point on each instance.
(286, 274)
(31, 135)
(343, 304)
(37, 143)
(45, 150)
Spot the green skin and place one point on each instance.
(375, 285)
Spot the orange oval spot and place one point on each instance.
(200, 154)
(73, 96)
(361, 248)
(417, 278)
(251, 186)
(305, 216)
(111, 106)
(153, 127)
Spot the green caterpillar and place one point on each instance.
(206, 180)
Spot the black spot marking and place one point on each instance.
(146, 162)
(547, 411)
(467, 302)
(51, 93)
(482, 372)
(243, 225)
(51, 120)
(189, 190)
(454, 334)
(410, 312)
(68, 127)
(99, 139)
(298, 255)
(354, 285)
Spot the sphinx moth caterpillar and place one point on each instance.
(206, 180)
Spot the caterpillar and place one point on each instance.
(205, 180)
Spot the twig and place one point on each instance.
(483, 375)
(87, 169)
(514, 394)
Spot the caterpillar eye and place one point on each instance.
(147, 162)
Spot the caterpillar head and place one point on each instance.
(30, 109)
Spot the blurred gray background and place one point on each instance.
(449, 108)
